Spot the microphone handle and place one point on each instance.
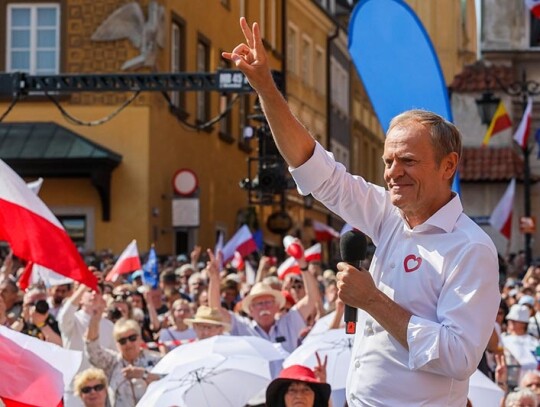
(350, 315)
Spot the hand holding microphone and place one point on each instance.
(353, 247)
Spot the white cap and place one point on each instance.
(519, 313)
(526, 300)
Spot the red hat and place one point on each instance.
(275, 392)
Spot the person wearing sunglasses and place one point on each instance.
(91, 386)
(127, 368)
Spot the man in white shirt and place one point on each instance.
(73, 320)
(431, 295)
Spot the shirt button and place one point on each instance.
(357, 364)
(392, 265)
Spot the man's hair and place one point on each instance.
(87, 375)
(520, 395)
(445, 137)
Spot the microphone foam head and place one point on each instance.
(353, 246)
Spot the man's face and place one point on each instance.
(263, 309)
(9, 294)
(129, 344)
(531, 381)
(204, 331)
(59, 293)
(417, 184)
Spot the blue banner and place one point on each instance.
(150, 270)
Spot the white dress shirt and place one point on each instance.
(444, 271)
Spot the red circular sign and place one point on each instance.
(185, 182)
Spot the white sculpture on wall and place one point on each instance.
(128, 22)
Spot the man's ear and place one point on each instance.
(450, 163)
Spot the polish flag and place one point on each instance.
(290, 265)
(522, 133)
(34, 372)
(33, 232)
(534, 6)
(128, 261)
(501, 217)
(34, 274)
(324, 233)
(242, 242)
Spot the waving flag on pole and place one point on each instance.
(242, 242)
(501, 217)
(127, 262)
(396, 61)
(33, 232)
(324, 233)
(534, 6)
(522, 133)
(34, 372)
(150, 275)
(500, 122)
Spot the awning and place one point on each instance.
(46, 149)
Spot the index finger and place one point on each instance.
(210, 254)
(247, 32)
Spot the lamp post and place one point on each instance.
(487, 105)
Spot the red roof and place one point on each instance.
(490, 164)
(477, 77)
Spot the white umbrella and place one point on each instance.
(226, 345)
(335, 344)
(213, 381)
(483, 392)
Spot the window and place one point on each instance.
(33, 38)
(319, 71)
(178, 59)
(225, 124)
(75, 226)
(203, 65)
(292, 46)
(339, 87)
(307, 60)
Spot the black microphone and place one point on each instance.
(353, 248)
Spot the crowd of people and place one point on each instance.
(126, 327)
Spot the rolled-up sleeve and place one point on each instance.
(321, 163)
(467, 308)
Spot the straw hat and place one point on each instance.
(275, 392)
(259, 290)
(207, 315)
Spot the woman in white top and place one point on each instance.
(178, 331)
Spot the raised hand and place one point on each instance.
(250, 57)
(320, 369)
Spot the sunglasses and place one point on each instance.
(131, 338)
(96, 388)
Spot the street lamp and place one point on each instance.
(487, 105)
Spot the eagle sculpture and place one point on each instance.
(128, 22)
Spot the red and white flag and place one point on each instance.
(324, 233)
(34, 372)
(522, 133)
(35, 274)
(242, 242)
(290, 265)
(501, 217)
(534, 6)
(128, 261)
(33, 232)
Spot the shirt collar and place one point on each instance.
(446, 217)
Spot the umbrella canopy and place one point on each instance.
(213, 381)
(335, 344)
(483, 392)
(225, 345)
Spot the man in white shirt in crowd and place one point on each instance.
(431, 294)
(73, 320)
